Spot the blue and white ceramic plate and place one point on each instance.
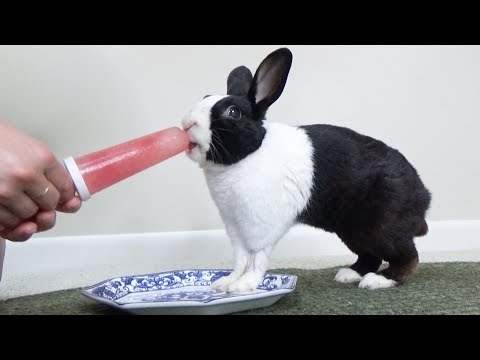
(186, 292)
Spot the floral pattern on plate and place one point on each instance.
(178, 286)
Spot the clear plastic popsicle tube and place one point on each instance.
(94, 172)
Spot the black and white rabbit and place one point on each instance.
(266, 177)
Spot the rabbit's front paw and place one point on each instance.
(224, 282)
(247, 283)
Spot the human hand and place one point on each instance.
(33, 186)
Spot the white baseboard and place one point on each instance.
(49, 264)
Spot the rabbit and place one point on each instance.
(265, 177)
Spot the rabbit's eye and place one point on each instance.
(233, 112)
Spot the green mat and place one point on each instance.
(437, 288)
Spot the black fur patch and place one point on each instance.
(233, 140)
(365, 192)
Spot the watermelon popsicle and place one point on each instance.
(96, 171)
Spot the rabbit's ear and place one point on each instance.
(270, 79)
(239, 81)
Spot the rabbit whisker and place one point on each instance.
(217, 138)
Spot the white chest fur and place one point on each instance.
(261, 196)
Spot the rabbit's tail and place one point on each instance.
(423, 229)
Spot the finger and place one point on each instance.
(22, 232)
(44, 194)
(59, 177)
(16, 201)
(33, 183)
(7, 219)
(71, 206)
(45, 220)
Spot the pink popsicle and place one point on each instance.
(94, 172)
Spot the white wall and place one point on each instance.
(423, 100)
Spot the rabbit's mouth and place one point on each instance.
(195, 153)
